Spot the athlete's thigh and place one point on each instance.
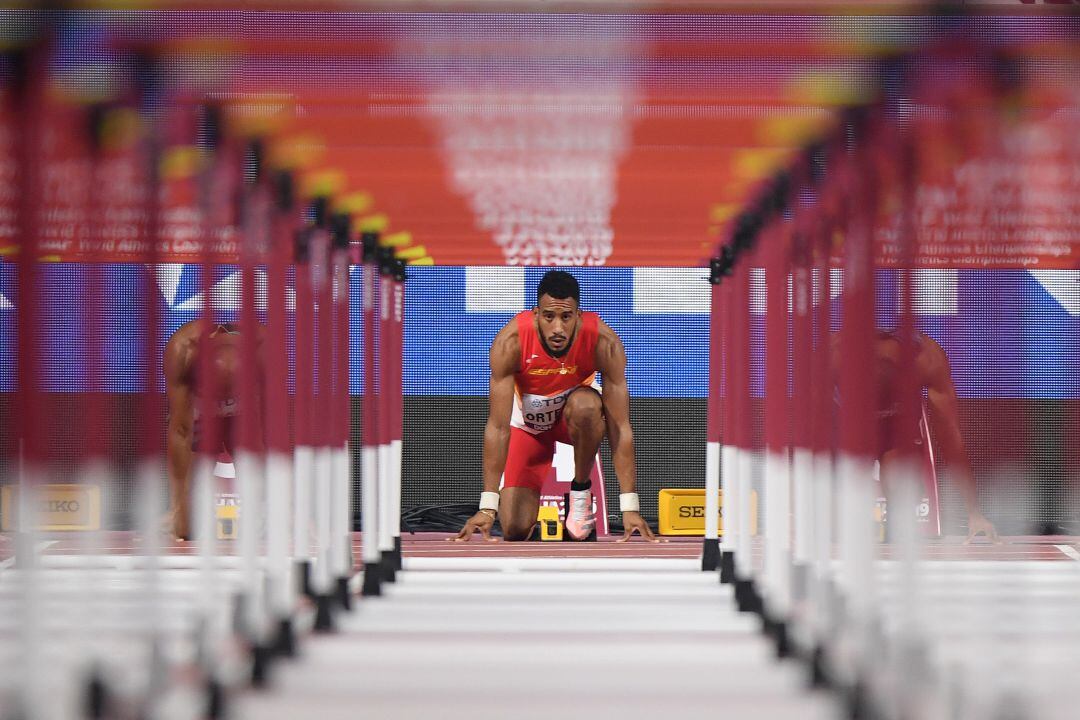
(528, 463)
(528, 459)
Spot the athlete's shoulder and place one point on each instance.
(604, 332)
(609, 352)
(506, 348)
(179, 351)
(933, 360)
(930, 345)
(512, 329)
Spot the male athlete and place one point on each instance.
(543, 369)
(932, 373)
(182, 364)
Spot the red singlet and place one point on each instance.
(542, 382)
(541, 385)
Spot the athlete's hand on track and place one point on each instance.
(978, 524)
(633, 521)
(481, 521)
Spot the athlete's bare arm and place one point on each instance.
(178, 357)
(505, 351)
(944, 416)
(611, 362)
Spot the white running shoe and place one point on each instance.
(580, 518)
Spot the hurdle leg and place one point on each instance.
(323, 581)
(281, 594)
(369, 453)
(710, 550)
(303, 472)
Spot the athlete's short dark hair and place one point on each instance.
(560, 285)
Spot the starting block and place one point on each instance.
(226, 500)
(927, 509)
(551, 525)
(554, 494)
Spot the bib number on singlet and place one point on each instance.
(540, 412)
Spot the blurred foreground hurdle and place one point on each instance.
(825, 381)
(159, 173)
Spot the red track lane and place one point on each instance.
(429, 544)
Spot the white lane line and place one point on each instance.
(1070, 551)
(10, 562)
(568, 564)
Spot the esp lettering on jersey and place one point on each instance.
(543, 382)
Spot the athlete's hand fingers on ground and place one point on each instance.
(466, 533)
(990, 534)
(633, 521)
(485, 531)
(978, 524)
(648, 534)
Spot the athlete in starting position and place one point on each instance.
(933, 374)
(181, 365)
(548, 358)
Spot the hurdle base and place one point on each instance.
(96, 698)
(342, 594)
(285, 641)
(303, 578)
(857, 702)
(727, 566)
(819, 673)
(324, 614)
(777, 631)
(710, 554)
(261, 657)
(747, 598)
(387, 571)
(215, 699)
(372, 586)
(397, 554)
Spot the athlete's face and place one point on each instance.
(557, 320)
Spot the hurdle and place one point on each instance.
(867, 624)
(160, 615)
(371, 519)
(283, 590)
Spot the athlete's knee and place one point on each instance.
(515, 532)
(584, 408)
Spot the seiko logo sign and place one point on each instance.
(692, 511)
(59, 506)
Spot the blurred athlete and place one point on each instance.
(933, 373)
(543, 370)
(181, 363)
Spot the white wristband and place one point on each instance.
(489, 501)
(628, 502)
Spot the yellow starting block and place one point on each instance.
(682, 511)
(227, 511)
(61, 506)
(551, 527)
